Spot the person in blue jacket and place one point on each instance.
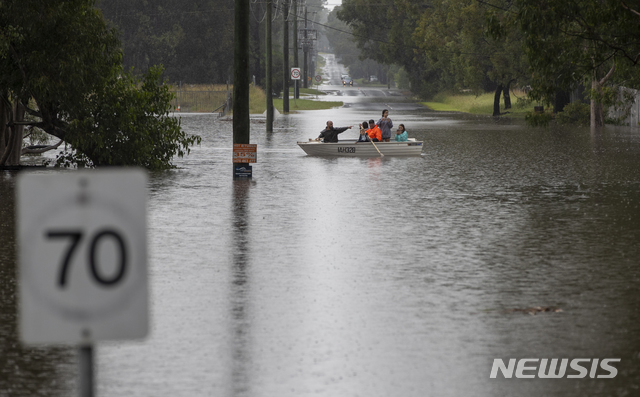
(401, 134)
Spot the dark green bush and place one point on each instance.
(575, 113)
(538, 119)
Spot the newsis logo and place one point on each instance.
(527, 368)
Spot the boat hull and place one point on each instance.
(361, 149)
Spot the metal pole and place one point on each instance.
(85, 371)
(286, 71)
(268, 85)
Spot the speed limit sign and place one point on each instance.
(83, 256)
(295, 73)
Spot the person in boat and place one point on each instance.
(385, 124)
(401, 134)
(374, 132)
(363, 132)
(330, 134)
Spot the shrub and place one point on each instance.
(575, 113)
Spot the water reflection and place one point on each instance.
(380, 276)
(239, 291)
(24, 371)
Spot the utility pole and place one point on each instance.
(296, 61)
(285, 46)
(241, 125)
(305, 48)
(268, 85)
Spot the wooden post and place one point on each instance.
(269, 66)
(241, 77)
(285, 72)
(296, 60)
(305, 48)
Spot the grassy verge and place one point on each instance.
(478, 104)
(257, 99)
(258, 102)
(309, 91)
(363, 82)
(305, 104)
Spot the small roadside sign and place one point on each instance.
(82, 256)
(295, 74)
(242, 171)
(244, 153)
(318, 79)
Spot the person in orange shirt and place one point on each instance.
(374, 132)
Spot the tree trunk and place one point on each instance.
(507, 97)
(14, 138)
(18, 130)
(597, 111)
(496, 100)
(597, 119)
(4, 118)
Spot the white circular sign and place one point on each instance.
(318, 78)
(83, 255)
(295, 73)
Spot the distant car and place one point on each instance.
(347, 80)
(373, 78)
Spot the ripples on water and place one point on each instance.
(376, 277)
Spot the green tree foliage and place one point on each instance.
(192, 39)
(573, 43)
(341, 39)
(441, 44)
(63, 66)
(383, 30)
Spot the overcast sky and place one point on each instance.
(332, 3)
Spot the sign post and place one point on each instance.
(295, 76)
(82, 260)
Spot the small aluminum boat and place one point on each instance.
(351, 148)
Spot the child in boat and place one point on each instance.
(401, 134)
(374, 132)
(363, 132)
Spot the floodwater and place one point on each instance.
(372, 277)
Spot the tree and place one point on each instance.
(383, 31)
(62, 67)
(341, 39)
(570, 43)
(441, 44)
(186, 37)
(454, 35)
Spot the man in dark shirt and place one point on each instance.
(330, 134)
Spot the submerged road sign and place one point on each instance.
(83, 256)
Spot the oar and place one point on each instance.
(374, 145)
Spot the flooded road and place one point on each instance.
(372, 277)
